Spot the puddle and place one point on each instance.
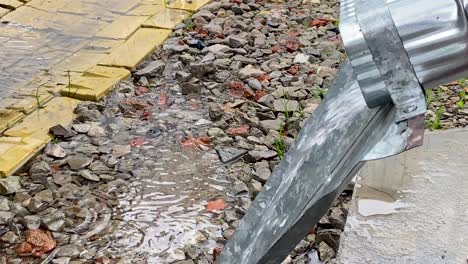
(369, 207)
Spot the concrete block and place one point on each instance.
(412, 208)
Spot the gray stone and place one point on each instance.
(15, 261)
(78, 162)
(302, 247)
(70, 250)
(183, 76)
(81, 128)
(39, 168)
(326, 253)
(255, 84)
(31, 221)
(255, 187)
(4, 204)
(53, 220)
(34, 205)
(239, 188)
(193, 252)
(190, 88)
(267, 125)
(218, 49)
(215, 132)
(262, 171)
(210, 56)
(61, 261)
(18, 209)
(284, 105)
(45, 196)
(185, 262)
(99, 167)
(5, 217)
(258, 155)
(175, 48)
(324, 71)
(55, 151)
(96, 131)
(10, 185)
(10, 238)
(250, 71)
(153, 69)
(213, 28)
(301, 58)
(61, 238)
(89, 176)
(121, 150)
(61, 178)
(267, 100)
(227, 234)
(236, 41)
(87, 149)
(228, 154)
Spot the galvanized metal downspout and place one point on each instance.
(375, 109)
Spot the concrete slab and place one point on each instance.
(412, 208)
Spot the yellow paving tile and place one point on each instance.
(192, 6)
(28, 16)
(30, 103)
(146, 10)
(107, 72)
(11, 3)
(102, 45)
(154, 2)
(3, 11)
(80, 61)
(59, 111)
(167, 18)
(15, 151)
(8, 117)
(89, 88)
(10, 32)
(122, 28)
(136, 48)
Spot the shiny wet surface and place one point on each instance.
(166, 210)
(163, 208)
(411, 208)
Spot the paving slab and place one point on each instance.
(72, 48)
(412, 208)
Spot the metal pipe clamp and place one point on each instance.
(399, 47)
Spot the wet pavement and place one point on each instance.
(38, 36)
(138, 177)
(411, 208)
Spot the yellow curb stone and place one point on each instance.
(30, 103)
(146, 10)
(192, 6)
(167, 18)
(79, 62)
(27, 16)
(3, 11)
(154, 2)
(123, 27)
(8, 117)
(59, 111)
(11, 3)
(15, 151)
(107, 72)
(136, 48)
(102, 45)
(88, 88)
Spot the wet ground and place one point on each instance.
(411, 208)
(140, 180)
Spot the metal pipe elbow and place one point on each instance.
(427, 42)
